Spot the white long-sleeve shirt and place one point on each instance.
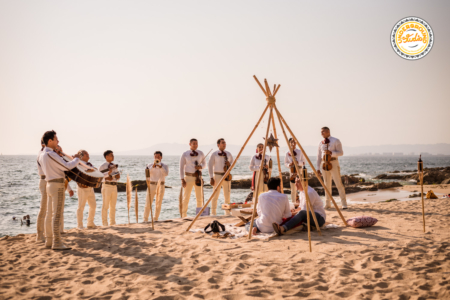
(316, 202)
(255, 162)
(334, 146)
(217, 162)
(299, 157)
(187, 162)
(104, 168)
(40, 171)
(157, 174)
(54, 165)
(272, 207)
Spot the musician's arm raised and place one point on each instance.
(64, 165)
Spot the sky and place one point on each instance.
(126, 75)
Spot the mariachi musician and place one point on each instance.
(53, 167)
(156, 172)
(109, 188)
(289, 163)
(331, 146)
(68, 189)
(255, 163)
(40, 237)
(86, 194)
(190, 162)
(219, 162)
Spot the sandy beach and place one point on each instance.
(394, 259)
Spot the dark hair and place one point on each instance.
(326, 128)
(48, 135)
(291, 139)
(273, 183)
(107, 152)
(158, 152)
(259, 144)
(219, 140)
(193, 140)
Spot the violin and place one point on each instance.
(198, 176)
(226, 167)
(327, 166)
(265, 172)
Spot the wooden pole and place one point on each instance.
(269, 93)
(265, 93)
(278, 155)
(276, 91)
(218, 186)
(258, 182)
(423, 201)
(299, 172)
(308, 210)
(312, 167)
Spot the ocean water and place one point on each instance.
(19, 186)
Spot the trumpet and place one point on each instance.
(157, 161)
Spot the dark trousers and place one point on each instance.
(303, 217)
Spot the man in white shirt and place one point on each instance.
(332, 146)
(86, 194)
(219, 159)
(302, 215)
(109, 188)
(191, 161)
(289, 163)
(53, 167)
(156, 172)
(272, 207)
(255, 163)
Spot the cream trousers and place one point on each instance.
(293, 192)
(262, 186)
(190, 183)
(149, 203)
(55, 207)
(109, 195)
(334, 174)
(86, 195)
(226, 185)
(40, 226)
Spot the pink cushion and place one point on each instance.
(362, 221)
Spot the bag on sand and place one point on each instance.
(431, 195)
(215, 227)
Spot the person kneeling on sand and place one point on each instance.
(272, 207)
(302, 216)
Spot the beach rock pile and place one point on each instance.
(430, 175)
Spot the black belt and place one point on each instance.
(57, 180)
(110, 183)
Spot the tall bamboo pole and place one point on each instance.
(308, 209)
(312, 167)
(263, 158)
(278, 155)
(217, 188)
(151, 202)
(299, 171)
(420, 171)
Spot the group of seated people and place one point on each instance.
(273, 207)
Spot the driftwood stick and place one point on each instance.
(299, 171)
(263, 158)
(218, 186)
(308, 210)
(264, 91)
(423, 201)
(312, 167)
(278, 155)
(151, 202)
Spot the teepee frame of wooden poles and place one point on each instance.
(271, 106)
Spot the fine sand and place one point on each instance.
(394, 259)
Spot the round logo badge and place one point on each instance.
(412, 38)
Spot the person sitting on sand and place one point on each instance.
(302, 216)
(272, 207)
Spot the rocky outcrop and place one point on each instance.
(430, 176)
